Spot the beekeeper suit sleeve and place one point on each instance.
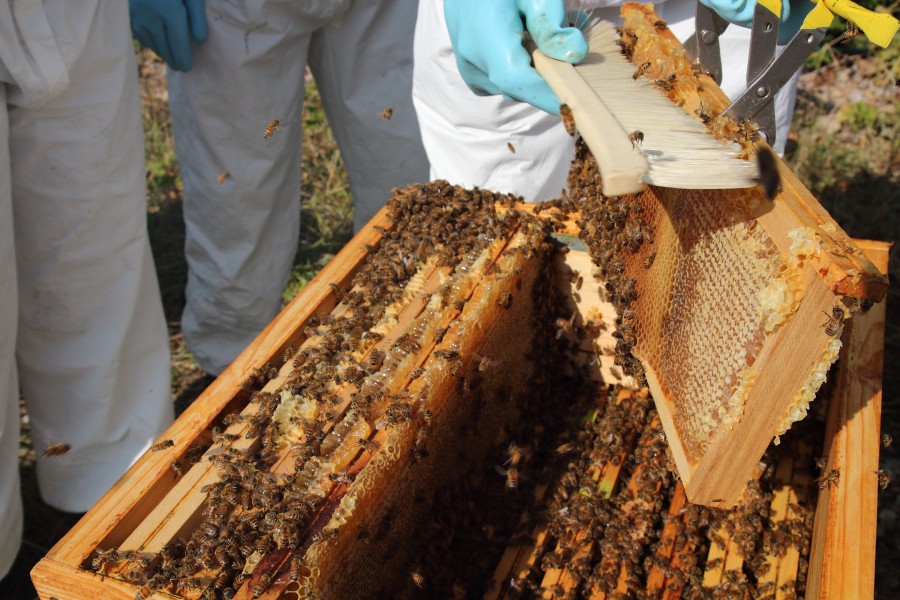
(80, 313)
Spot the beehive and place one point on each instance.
(437, 510)
(414, 453)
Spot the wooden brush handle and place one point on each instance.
(622, 166)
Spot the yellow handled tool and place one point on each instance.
(766, 72)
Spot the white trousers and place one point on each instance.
(82, 332)
(242, 233)
(512, 147)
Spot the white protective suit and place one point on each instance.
(242, 233)
(466, 136)
(81, 323)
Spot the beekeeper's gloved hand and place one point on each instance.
(487, 40)
(167, 27)
(740, 12)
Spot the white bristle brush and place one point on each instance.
(636, 134)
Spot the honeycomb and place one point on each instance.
(702, 323)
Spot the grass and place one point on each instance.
(844, 149)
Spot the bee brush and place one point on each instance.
(637, 135)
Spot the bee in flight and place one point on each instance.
(387, 113)
(270, 128)
(56, 450)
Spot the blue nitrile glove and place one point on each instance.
(167, 27)
(740, 12)
(487, 40)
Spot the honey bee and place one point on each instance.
(636, 137)
(884, 479)
(370, 445)
(153, 584)
(270, 128)
(232, 419)
(376, 359)
(326, 534)
(703, 113)
(830, 479)
(769, 177)
(387, 113)
(56, 450)
(447, 355)
(660, 25)
(296, 564)
(162, 445)
(262, 585)
(833, 325)
(565, 448)
(511, 474)
(666, 84)
(511, 147)
(505, 300)
(456, 369)
(567, 118)
(177, 468)
(514, 454)
(439, 334)
(747, 131)
(222, 177)
(485, 363)
(886, 440)
(418, 578)
(641, 70)
(101, 561)
(849, 33)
